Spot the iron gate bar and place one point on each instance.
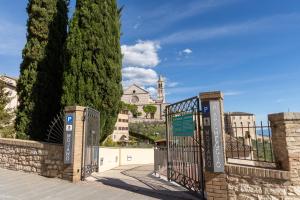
(184, 153)
(200, 149)
(271, 146)
(90, 148)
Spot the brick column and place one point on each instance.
(286, 142)
(72, 171)
(216, 182)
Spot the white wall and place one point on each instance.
(110, 157)
(136, 156)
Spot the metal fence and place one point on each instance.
(249, 141)
(184, 152)
(160, 160)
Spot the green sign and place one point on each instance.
(183, 125)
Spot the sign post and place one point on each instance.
(213, 131)
(68, 138)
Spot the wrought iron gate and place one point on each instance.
(184, 150)
(91, 139)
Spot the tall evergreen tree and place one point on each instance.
(40, 83)
(92, 75)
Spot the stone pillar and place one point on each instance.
(215, 182)
(286, 142)
(72, 171)
(216, 95)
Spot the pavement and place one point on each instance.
(125, 182)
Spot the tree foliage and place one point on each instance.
(132, 108)
(39, 86)
(153, 130)
(149, 109)
(6, 115)
(92, 74)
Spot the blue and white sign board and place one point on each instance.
(68, 138)
(213, 141)
(69, 119)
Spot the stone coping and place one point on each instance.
(104, 147)
(284, 116)
(26, 143)
(257, 172)
(212, 95)
(74, 108)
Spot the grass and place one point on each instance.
(262, 151)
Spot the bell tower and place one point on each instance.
(161, 90)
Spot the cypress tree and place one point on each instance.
(92, 75)
(39, 86)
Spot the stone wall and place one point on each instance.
(35, 157)
(252, 183)
(240, 182)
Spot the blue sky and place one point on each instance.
(249, 49)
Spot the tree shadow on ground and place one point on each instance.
(146, 177)
(162, 193)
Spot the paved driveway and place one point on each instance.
(128, 182)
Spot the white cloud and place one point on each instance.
(169, 13)
(232, 93)
(264, 24)
(139, 76)
(187, 51)
(153, 92)
(136, 26)
(172, 84)
(142, 54)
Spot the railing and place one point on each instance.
(249, 142)
(160, 160)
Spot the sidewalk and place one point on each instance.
(140, 179)
(129, 183)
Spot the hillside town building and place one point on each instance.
(240, 124)
(121, 132)
(10, 87)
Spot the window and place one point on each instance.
(247, 134)
(124, 112)
(152, 115)
(134, 99)
(123, 120)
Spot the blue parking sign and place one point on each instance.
(69, 119)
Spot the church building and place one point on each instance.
(136, 95)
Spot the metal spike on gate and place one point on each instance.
(56, 129)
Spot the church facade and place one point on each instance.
(140, 97)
